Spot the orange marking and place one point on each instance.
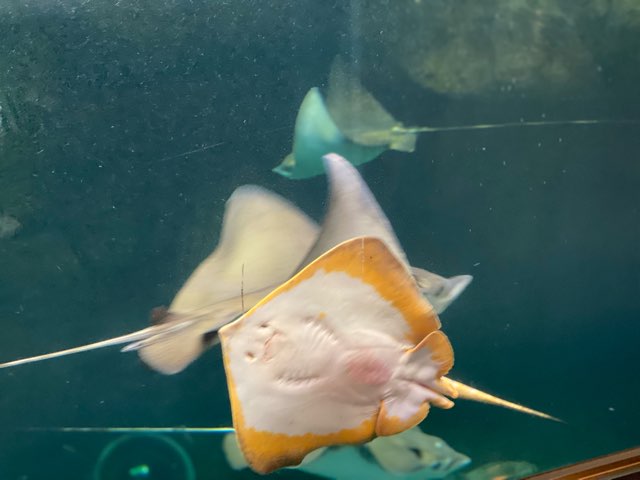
(370, 260)
(266, 451)
(390, 425)
(440, 350)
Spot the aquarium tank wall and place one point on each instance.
(500, 139)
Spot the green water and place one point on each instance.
(100, 101)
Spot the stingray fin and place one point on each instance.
(356, 112)
(286, 167)
(172, 351)
(390, 423)
(171, 354)
(371, 260)
(263, 240)
(266, 451)
(440, 291)
(425, 363)
(352, 211)
(232, 452)
(403, 141)
(469, 393)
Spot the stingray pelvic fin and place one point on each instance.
(469, 393)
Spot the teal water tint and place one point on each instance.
(99, 104)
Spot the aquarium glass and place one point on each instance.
(125, 125)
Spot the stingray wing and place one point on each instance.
(354, 110)
(353, 211)
(263, 239)
(287, 395)
(315, 135)
(359, 116)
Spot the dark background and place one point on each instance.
(100, 102)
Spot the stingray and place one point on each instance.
(410, 455)
(346, 350)
(264, 240)
(349, 121)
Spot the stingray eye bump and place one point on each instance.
(264, 325)
(250, 356)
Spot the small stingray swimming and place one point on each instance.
(350, 121)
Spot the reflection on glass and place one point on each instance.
(150, 457)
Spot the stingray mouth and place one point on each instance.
(268, 342)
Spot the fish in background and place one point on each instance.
(345, 351)
(264, 240)
(410, 455)
(349, 121)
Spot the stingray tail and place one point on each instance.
(534, 123)
(403, 140)
(155, 331)
(129, 337)
(470, 393)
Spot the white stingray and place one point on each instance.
(263, 240)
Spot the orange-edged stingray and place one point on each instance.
(345, 351)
